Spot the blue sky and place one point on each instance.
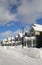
(11, 26)
(14, 26)
(14, 14)
(39, 21)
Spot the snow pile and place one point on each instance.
(17, 56)
(31, 52)
(40, 53)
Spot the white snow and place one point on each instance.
(18, 56)
(29, 38)
(37, 27)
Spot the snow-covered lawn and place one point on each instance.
(18, 56)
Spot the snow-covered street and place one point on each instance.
(18, 56)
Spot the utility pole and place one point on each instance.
(22, 36)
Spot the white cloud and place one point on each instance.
(27, 12)
(27, 28)
(7, 34)
(10, 24)
(5, 15)
(17, 32)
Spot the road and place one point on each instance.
(11, 56)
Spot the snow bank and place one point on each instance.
(40, 53)
(17, 56)
(31, 52)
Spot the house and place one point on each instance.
(29, 41)
(36, 30)
(9, 41)
(18, 39)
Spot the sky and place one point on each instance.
(14, 14)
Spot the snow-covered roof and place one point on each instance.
(20, 34)
(37, 27)
(9, 38)
(16, 36)
(4, 39)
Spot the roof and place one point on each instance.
(20, 34)
(37, 27)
